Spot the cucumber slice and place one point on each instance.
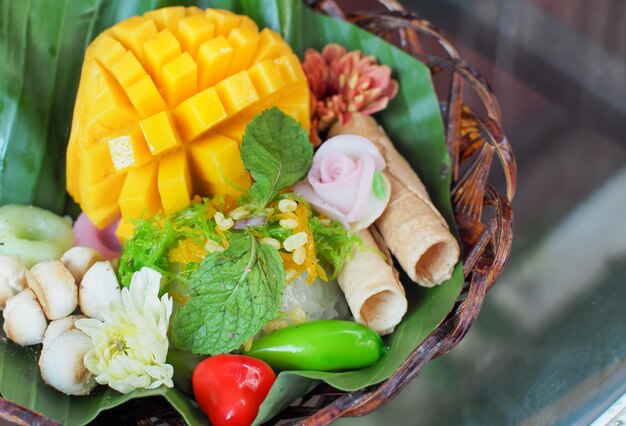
(33, 234)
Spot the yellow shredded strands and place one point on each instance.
(187, 251)
(290, 265)
(310, 264)
(321, 272)
(274, 325)
(295, 316)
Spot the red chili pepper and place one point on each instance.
(230, 388)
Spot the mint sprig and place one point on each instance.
(234, 293)
(277, 153)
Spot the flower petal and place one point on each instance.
(304, 188)
(351, 145)
(374, 208)
(130, 345)
(339, 191)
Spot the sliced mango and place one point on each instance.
(162, 106)
(158, 51)
(216, 159)
(127, 70)
(145, 97)
(237, 92)
(213, 59)
(271, 46)
(193, 10)
(167, 17)
(133, 32)
(124, 230)
(244, 41)
(104, 215)
(297, 104)
(267, 78)
(180, 79)
(223, 20)
(291, 69)
(95, 164)
(103, 193)
(174, 182)
(107, 50)
(232, 190)
(193, 31)
(160, 132)
(234, 128)
(130, 150)
(246, 22)
(112, 108)
(199, 113)
(140, 194)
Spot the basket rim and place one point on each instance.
(489, 244)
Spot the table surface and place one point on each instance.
(549, 346)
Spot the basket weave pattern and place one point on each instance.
(472, 140)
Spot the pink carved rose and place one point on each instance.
(346, 182)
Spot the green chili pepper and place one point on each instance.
(325, 345)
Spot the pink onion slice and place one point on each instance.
(104, 241)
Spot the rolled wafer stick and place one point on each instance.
(375, 296)
(413, 229)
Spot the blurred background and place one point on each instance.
(549, 346)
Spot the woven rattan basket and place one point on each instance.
(472, 139)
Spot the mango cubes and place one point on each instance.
(161, 109)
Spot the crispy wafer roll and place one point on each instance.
(413, 229)
(373, 292)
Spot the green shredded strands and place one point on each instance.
(333, 244)
(155, 237)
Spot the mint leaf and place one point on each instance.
(234, 293)
(277, 152)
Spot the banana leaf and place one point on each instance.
(42, 43)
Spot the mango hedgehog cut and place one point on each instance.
(162, 105)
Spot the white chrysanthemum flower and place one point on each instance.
(130, 345)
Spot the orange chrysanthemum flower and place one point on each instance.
(343, 83)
